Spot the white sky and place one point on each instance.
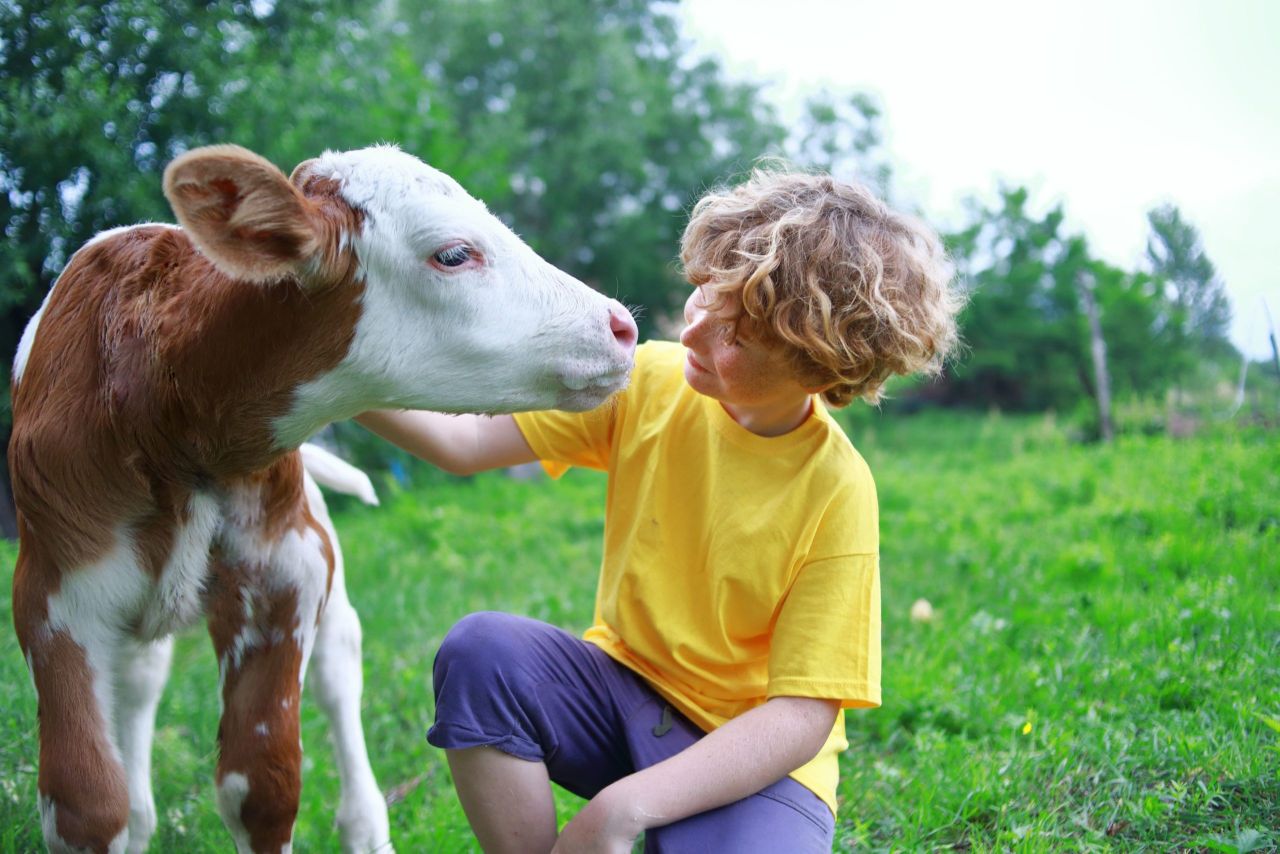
(1108, 107)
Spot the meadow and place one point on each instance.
(1101, 670)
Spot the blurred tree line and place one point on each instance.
(588, 125)
(1027, 337)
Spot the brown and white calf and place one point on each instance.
(159, 397)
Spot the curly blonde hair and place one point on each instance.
(855, 290)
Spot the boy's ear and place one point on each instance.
(242, 212)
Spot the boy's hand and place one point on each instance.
(752, 751)
(604, 826)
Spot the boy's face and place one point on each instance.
(737, 369)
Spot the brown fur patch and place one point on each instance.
(77, 769)
(154, 375)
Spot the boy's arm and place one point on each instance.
(459, 444)
(738, 759)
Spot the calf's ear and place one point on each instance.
(243, 213)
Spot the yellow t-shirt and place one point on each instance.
(736, 567)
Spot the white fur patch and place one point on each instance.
(29, 339)
(509, 333)
(232, 791)
(382, 176)
(246, 639)
(112, 232)
(141, 675)
(337, 682)
(304, 552)
(49, 824)
(114, 585)
(295, 561)
(177, 601)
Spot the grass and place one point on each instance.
(1102, 671)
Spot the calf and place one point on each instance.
(159, 397)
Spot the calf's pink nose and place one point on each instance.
(623, 326)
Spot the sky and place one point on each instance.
(1108, 108)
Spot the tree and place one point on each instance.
(1027, 331)
(596, 131)
(1098, 351)
(1020, 324)
(1143, 353)
(96, 98)
(1199, 311)
(843, 136)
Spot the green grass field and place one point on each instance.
(1102, 671)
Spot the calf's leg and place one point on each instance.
(84, 800)
(260, 753)
(337, 682)
(141, 672)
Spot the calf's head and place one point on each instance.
(456, 312)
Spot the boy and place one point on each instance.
(738, 607)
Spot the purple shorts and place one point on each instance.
(537, 692)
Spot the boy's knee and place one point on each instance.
(480, 641)
(485, 680)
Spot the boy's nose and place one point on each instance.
(692, 325)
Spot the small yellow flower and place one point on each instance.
(1026, 728)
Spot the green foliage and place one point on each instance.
(844, 136)
(1027, 337)
(1199, 312)
(1101, 670)
(1143, 355)
(1023, 333)
(596, 131)
(97, 98)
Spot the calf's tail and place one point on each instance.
(337, 474)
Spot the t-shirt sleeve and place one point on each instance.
(564, 439)
(826, 637)
(826, 641)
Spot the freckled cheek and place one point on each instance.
(735, 370)
(745, 374)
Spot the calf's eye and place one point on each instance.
(453, 256)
